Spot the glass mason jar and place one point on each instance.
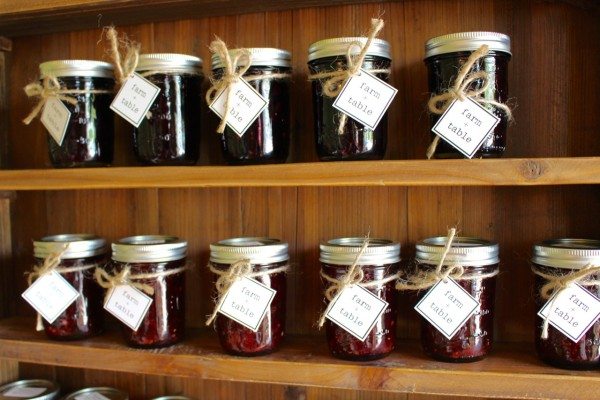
(357, 142)
(89, 137)
(380, 260)
(267, 140)
(98, 393)
(170, 133)
(264, 254)
(30, 389)
(562, 257)
(445, 55)
(164, 323)
(473, 341)
(85, 316)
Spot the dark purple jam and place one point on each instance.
(357, 142)
(89, 138)
(267, 140)
(85, 316)
(381, 340)
(558, 350)
(239, 340)
(473, 341)
(171, 135)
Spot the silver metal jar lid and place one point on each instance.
(258, 250)
(88, 393)
(95, 69)
(467, 41)
(81, 245)
(169, 62)
(172, 398)
(567, 253)
(343, 251)
(149, 248)
(261, 57)
(339, 47)
(466, 251)
(31, 389)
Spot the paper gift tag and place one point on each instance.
(23, 392)
(356, 310)
(55, 117)
(50, 295)
(465, 125)
(447, 306)
(365, 98)
(135, 99)
(246, 104)
(91, 396)
(573, 311)
(247, 301)
(128, 304)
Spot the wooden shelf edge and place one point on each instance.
(511, 371)
(496, 172)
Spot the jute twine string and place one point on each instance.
(426, 279)
(50, 87)
(126, 62)
(233, 71)
(237, 270)
(124, 277)
(335, 81)
(50, 264)
(459, 91)
(557, 283)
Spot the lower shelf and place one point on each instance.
(512, 371)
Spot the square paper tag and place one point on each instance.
(247, 302)
(135, 99)
(91, 396)
(447, 306)
(246, 105)
(128, 304)
(365, 98)
(55, 117)
(50, 295)
(574, 310)
(23, 392)
(465, 125)
(356, 310)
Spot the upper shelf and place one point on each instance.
(496, 172)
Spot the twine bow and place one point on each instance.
(237, 270)
(123, 277)
(125, 63)
(50, 87)
(558, 283)
(459, 91)
(335, 81)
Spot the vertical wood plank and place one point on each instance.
(9, 371)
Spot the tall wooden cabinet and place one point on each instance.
(546, 186)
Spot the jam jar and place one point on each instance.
(170, 133)
(165, 258)
(379, 261)
(267, 139)
(84, 317)
(562, 257)
(357, 142)
(89, 137)
(30, 389)
(264, 255)
(473, 341)
(98, 393)
(445, 55)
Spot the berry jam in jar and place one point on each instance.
(89, 137)
(379, 261)
(165, 258)
(445, 55)
(84, 317)
(559, 257)
(473, 341)
(264, 255)
(170, 133)
(357, 142)
(267, 139)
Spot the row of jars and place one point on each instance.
(378, 260)
(169, 135)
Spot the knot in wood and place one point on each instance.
(532, 169)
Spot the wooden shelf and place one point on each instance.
(497, 172)
(511, 371)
